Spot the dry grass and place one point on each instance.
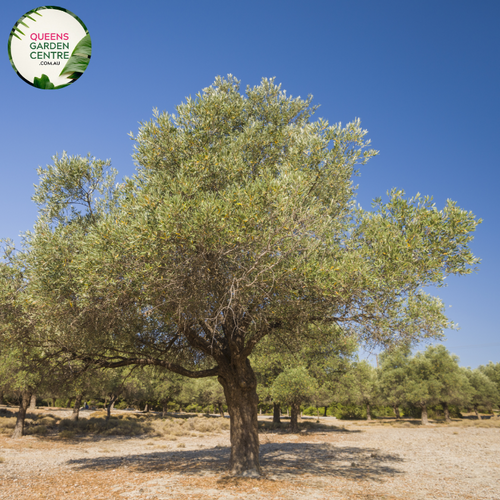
(7, 424)
(118, 425)
(490, 423)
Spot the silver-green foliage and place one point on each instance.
(294, 386)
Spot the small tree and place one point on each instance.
(292, 387)
(492, 371)
(393, 377)
(454, 386)
(484, 393)
(423, 387)
(167, 386)
(359, 386)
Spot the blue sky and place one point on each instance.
(424, 77)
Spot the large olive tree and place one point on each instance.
(240, 224)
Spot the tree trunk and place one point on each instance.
(76, 409)
(110, 406)
(368, 414)
(240, 388)
(446, 412)
(146, 408)
(164, 410)
(326, 409)
(477, 413)
(2, 402)
(33, 402)
(396, 412)
(221, 409)
(294, 426)
(24, 402)
(424, 415)
(53, 402)
(276, 413)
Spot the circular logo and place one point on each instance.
(49, 47)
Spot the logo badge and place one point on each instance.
(49, 47)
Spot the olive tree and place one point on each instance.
(393, 377)
(424, 386)
(359, 386)
(292, 387)
(455, 388)
(484, 391)
(241, 224)
(492, 371)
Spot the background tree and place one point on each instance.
(292, 387)
(393, 377)
(111, 385)
(240, 224)
(166, 386)
(324, 350)
(492, 371)
(360, 386)
(484, 392)
(423, 387)
(24, 369)
(454, 386)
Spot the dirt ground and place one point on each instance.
(340, 460)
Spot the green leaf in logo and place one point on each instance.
(79, 59)
(84, 47)
(43, 83)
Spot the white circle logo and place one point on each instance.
(49, 47)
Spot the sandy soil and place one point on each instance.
(359, 461)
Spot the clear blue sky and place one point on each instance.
(424, 77)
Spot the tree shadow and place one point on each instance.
(278, 461)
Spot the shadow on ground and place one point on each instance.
(278, 460)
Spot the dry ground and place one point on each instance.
(186, 459)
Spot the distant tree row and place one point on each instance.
(411, 383)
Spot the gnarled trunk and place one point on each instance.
(33, 402)
(446, 412)
(76, 408)
(396, 412)
(368, 413)
(24, 402)
(294, 413)
(276, 413)
(425, 421)
(240, 388)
